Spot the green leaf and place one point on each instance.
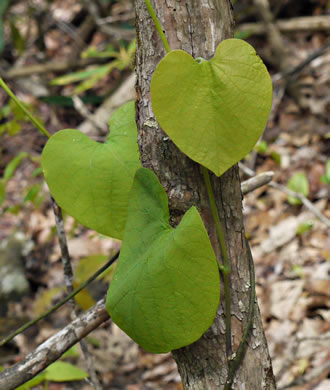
(13, 164)
(66, 101)
(165, 290)
(33, 382)
(91, 81)
(64, 372)
(13, 127)
(56, 372)
(37, 172)
(214, 111)
(90, 180)
(243, 34)
(32, 194)
(3, 6)
(71, 353)
(93, 52)
(261, 147)
(326, 177)
(78, 76)
(298, 183)
(88, 266)
(304, 227)
(2, 191)
(17, 37)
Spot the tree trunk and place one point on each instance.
(198, 26)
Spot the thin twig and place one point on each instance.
(65, 256)
(68, 278)
(83, 111)
(112, 31)
(256, 182)
(306, 23)
(118, 18)
(235, 363)
(53, 348)
(307, 203)
(226, 267)
(48, 67)
(273, 34)
(62, 302)
(298, 68)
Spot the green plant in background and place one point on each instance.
(3, 7)
(56, 372)
(263, 149)
(298, 183)
(12, 119)
(60, 371)
(121, 60)
(304, 227)
(326, 177)
(9, 172)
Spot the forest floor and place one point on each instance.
(290, 243)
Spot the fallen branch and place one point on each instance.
(304, 201)
(279, 50)
(53, 66)
(62, 302)
(298, 68)
(122, 95)
(307, 203)
(302, 24)
(68, 279)
(79, 105)
(53, 348)
(256, 182)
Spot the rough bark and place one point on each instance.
(198, 26)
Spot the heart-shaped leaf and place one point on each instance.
(91, 181)
(214, 111)
(165, 290)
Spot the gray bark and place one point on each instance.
(53, 348)
(198, 26)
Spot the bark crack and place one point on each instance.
(190, 29)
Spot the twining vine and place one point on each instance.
(233, 363)
(165, 290)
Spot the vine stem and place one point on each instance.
(225, 268)
(239, 356)
(158, 26)
(62, 302)
(32, 118)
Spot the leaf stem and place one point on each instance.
(236, 362)
(158, 26)
(32, 118)
(62, 302)
(225, 268)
